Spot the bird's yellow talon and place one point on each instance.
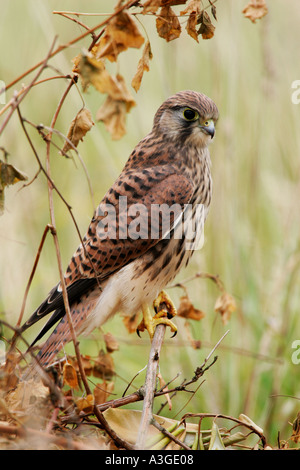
(165, 310)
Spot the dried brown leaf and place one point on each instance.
(194, 6)
(167, 24)
(195, 343)
(104, 367)
(214, 11)
(131, 322)
(9, 175)
(80, 125)
(93, 71)
(170, 3)
(191, 26)
(143, 66)
(225, 305)
(187, 310)
(120, 34)
(102, 392)
(151, 6)
(28, 398)
(193, 10)
(255, 10)
(207, 29)
(85, 404)
(113, 112)
(70, 376)
(110, 343)
(109, 49)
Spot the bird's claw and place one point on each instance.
(165, 310)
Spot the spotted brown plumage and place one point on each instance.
(114, 271)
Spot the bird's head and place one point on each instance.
(187, 117)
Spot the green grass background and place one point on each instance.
(252, 232)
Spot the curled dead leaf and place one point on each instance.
(195, 343)
(255, 10)
(187, 310)
(80, 125)
(86, 363)
(28, 398)
(167, 24)
(120, 34)
(91, 71)
(206, 27)
(104, 367)
(70, 376)
(143, 66)
(102, 392)
(193, 10)
(248, 421)
(151, 6)
(225, 305)
(191, 26)
(126, 423)
(113, 114)
(85, 404)
(110, 343)
(131, 322)
(172, 2)
(9, 175)
(116, 106)
(214, 11)
(193, 6)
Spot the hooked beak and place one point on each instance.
(210, 129)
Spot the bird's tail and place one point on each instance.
(62, 334)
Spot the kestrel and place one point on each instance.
(118, 269)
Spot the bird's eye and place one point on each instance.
(190, 115)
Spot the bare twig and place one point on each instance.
(252, 428)
(56, 243)
(169, 434)
(42, 65)
(73, 41)
(46, 230)
(149, 385)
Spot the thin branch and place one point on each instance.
(23, 120)
(215, 278)
(65, 15)
(56, 243)
(149, 385)
(42, 65)
(60, 48)
(231, 418)
(169, 434)
(46, 230)
(25, 88)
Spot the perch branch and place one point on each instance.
(149, 385)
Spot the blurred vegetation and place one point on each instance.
(252, 232)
